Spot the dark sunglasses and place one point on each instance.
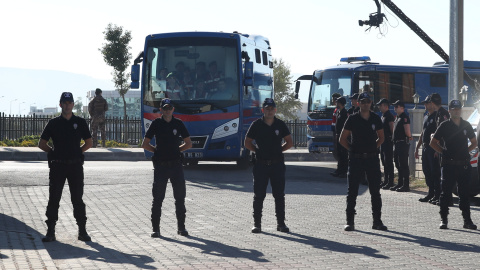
(365, 101)
(167, 108)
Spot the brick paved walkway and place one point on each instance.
(219, 221)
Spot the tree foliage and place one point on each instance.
(78, 106)
(287, 105)
(116, 53)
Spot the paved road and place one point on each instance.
(219, 217)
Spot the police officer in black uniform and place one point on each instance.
(441, 116)
(386, 150)
(355, 108)
(167, 162)
(268, 133)
(366, 130)
(65, 160)
(341, 118)
(430, 162)
(456, 167)
(401, 143)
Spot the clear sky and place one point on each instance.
(307, 34)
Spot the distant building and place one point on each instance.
(48, 111)
(115, 103)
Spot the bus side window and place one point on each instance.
(258, 58)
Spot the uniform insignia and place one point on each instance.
(464, 132)
(75, 126)
(373, 126)
(277, 132)
(174, 132)
(405, 119)
(444, 117)
(431, 120)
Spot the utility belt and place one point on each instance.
(169, 163)
(404, 141)
(67, 161)
(363, 155)
(455, 162)
(269, 162)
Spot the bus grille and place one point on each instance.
(198, 142)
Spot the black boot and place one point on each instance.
(181, 227)
(82, 234)
(350, 223)
(377, 223)
(281, 227)
(156, 229)
(257, 227)
(444, 224)
(50, 236)
(467, 221)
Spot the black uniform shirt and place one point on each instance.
(429, 127)
(168, 138)
(455, 138)
(364, 132)
(66, 136)
(353, 110)
(268, 138)
(442, 115)
(341, 119)
(387, 117)
(399, 129)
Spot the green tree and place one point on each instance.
(78, 106)
(287, 104)
(116, 53)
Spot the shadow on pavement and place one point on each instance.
(329, 245)
(228, 176)
(63, 251)
(218, 249)
(18, 235)
(427, 242)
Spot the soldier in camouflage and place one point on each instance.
(97, 108)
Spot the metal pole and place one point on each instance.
(455, 67)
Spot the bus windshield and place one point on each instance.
(197, 74)
(329, 82)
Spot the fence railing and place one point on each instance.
(14, 127)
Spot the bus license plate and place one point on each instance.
(323, 149)
(194, 155)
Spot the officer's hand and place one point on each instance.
(416, 154)
(436, 154)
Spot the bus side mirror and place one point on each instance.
(135, 77)
(297, 89)
(248, 79)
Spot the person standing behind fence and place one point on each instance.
(97, 108)
(65, 160)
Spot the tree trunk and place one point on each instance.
(124, 119)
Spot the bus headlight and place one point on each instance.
(226, 129)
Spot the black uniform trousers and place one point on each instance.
(400, 156)
(357, 169)
(432, 171)
(262, 173)
(161, 174)
(342, 165)
(386, 155)
(59, 172)
(452, 174)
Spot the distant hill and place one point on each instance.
(43, 87)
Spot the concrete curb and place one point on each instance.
(133, 154)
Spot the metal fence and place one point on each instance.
(14, 127)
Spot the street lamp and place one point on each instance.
(464, 94)
(416, 99)
(19, 104)
(11, 105)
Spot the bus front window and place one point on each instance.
(328, 83)
(195, 73)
